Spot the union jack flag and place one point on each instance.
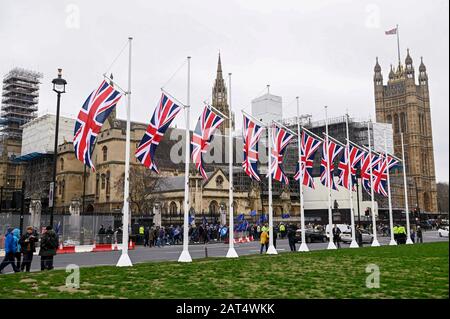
(202, 137)
(251, 135)
(367, 161)
(91, 117)
(280, 139)
(328, 156)
(163, 115)
(352, 158)
(380, 174)
(309, 145)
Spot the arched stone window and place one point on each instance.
(396, 124)
(61, 164)
(173, 208)
(105, 153)
(389, 119)
(403, 122)
(213, 207)
(97, 185)
(63, 189)
(103, 181)
(108, 183)
(219, 182)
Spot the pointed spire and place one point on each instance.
(408, 59)
(219, 67)
(377, 68)
(422, 67)
(391, 73)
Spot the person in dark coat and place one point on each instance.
(358, 236)
(419, 235)
(10, 250)
(337, 236)
(28, 245)
(109, 235)
(101, 234)
(146, 237)
(49, 244)
(291, 237)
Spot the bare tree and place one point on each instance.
(144, 184)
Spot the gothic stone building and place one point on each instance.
(406, 105)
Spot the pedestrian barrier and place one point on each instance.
(66, 250)
(102, 247)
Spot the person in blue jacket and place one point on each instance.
(18, 253)
(10, 250)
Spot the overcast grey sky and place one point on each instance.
(322, 51)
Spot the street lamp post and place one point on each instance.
(59, 86)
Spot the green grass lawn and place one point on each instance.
(416, 271)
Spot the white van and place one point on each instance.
(344, 228)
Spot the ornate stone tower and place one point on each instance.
(406, 105)
(219, 97)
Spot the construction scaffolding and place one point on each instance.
(20, 99)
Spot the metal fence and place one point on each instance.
(71, 230)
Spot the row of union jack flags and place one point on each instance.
(102, 101)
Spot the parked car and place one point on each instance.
(443, 231)
(311, 236)
(367, 237)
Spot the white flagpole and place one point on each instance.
(231, 251)
(124, 260)
(391, 219)
(185, 256)
(408, 228)
(271, 250)
(353, 244)
(303, 245)
(331, 244)
(375, 242)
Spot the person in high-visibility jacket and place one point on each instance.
(395, 231)
(402, 234)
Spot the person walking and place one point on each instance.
(291, 237)
(101, 234)
(419, 235)
(264, 240)
(18, 253)
(10, 250)
(337, 236)
(358, 235)
(28, 245)
(146, 237)
(282, 230)
(49, 244)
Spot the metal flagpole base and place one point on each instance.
(354, 244)
(409, 241)
(124, 261)
(185, 257)
(232, 253)
(303, 248)
(375, 243)
(392, 243)
(272, 250)
(331, 245)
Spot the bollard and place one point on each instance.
(206, 251)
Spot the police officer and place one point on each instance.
(395, 231)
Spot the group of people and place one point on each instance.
(160, 236)
(106, 236)
(19, 249)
